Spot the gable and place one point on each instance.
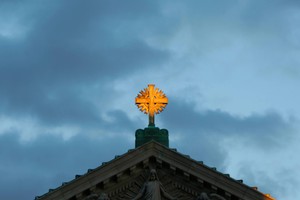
(179, 175)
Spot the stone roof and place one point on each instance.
(122, 177)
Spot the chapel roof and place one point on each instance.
(136, 160)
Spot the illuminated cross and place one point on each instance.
(151, 101)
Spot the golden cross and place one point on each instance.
(151, 101)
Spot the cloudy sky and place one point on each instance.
(70, 70)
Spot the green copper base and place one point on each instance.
(151, 133)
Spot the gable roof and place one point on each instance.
(128, 171)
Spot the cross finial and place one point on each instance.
(151, 101)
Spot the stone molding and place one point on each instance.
(180, 174)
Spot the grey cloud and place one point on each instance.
(122, 121)
(268, 183)
(208, 128)
(45, 163)
(183, 115)
(70, 46)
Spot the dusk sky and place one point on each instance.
(70, 71)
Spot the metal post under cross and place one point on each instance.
(151, 101)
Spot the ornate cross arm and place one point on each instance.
(151, 101)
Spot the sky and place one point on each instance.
(70, 71)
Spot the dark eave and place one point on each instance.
(175, 160)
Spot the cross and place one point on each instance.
(151, 101)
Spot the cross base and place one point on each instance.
(151, 133)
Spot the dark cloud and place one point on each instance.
(36, 166)
(267, 183)
(207, 130)
(182, 115)
(71, 46)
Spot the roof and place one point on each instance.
(121, 178)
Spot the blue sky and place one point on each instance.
(70, 70)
